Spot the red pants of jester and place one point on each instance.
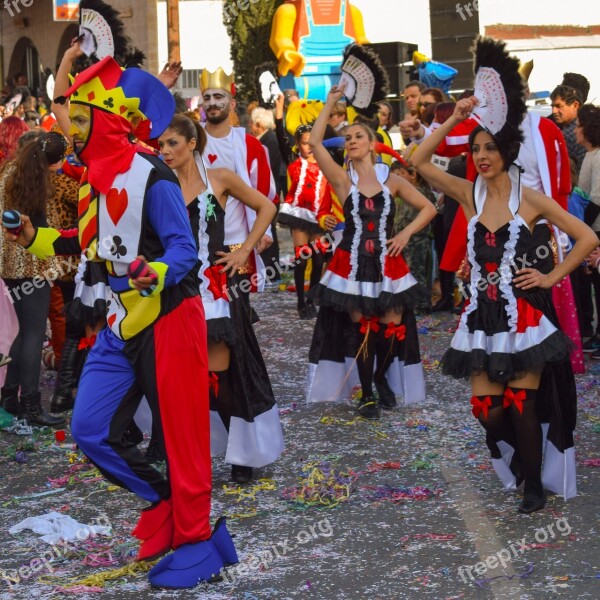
(167, 362)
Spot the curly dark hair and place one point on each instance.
(567, 93)
(588, 118)
(29, 185)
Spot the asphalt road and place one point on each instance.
(407, 507)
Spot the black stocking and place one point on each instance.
(317, 268)
(299, 272)
(222, 402)
(385, 352)
(528, 432)
(365, 359)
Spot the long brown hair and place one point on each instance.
(29, 185)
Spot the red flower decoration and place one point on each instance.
(366, 324)
(398, 330)
(321, 246)
(480, 406)
(517, 399)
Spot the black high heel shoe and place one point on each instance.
(531, 503)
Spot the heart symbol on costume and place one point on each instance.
(371, 226)
(212, 158)
(111, 319)
(491, 267)
(116, 204)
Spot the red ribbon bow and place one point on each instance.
(213, 380)
(517, 399)
(86, 342)
(321, 246)
(303, 252)
(480, 406)
(366, 324)
(398, 330)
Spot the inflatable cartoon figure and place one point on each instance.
(308, 38)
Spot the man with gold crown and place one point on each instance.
(234, 149)
(131, 210)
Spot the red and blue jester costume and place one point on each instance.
(130, 204)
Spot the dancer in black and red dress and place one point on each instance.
(244, 415)
(367, 282)
(508, 341)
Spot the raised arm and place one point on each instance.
(62, 84)
(455, 187)
(336, 175)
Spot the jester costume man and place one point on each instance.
(155, 345)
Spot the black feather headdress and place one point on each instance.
(365, 78)
(501, 94)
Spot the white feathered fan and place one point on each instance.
(100, 30)
(365, 79)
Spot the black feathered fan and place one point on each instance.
(501, 93)
(365, 79)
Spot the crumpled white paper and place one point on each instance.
(57, 527)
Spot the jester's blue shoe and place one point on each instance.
(188, 566)
(224, 543)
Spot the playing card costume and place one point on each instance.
(505, 331)
(130, 204)
(363, 277)
(244, 415)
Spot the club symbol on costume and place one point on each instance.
(210, 207)
(117, 248)
(109, 103)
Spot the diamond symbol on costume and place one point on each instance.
(109, 103)
(117, 248)
(116, 204)
(91, 96)
(212, 158)
(111, 319)
(369, 204)
(371, 226)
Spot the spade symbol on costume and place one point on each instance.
(117, 248)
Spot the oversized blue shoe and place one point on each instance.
(224, 543)
(188, 566)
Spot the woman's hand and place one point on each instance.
(398, 243)
(75, 51)
(335, 93)
(464, 108)
(26, 234)
(528, 279)
(329, 222)
(411, 128)
(232, 261)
